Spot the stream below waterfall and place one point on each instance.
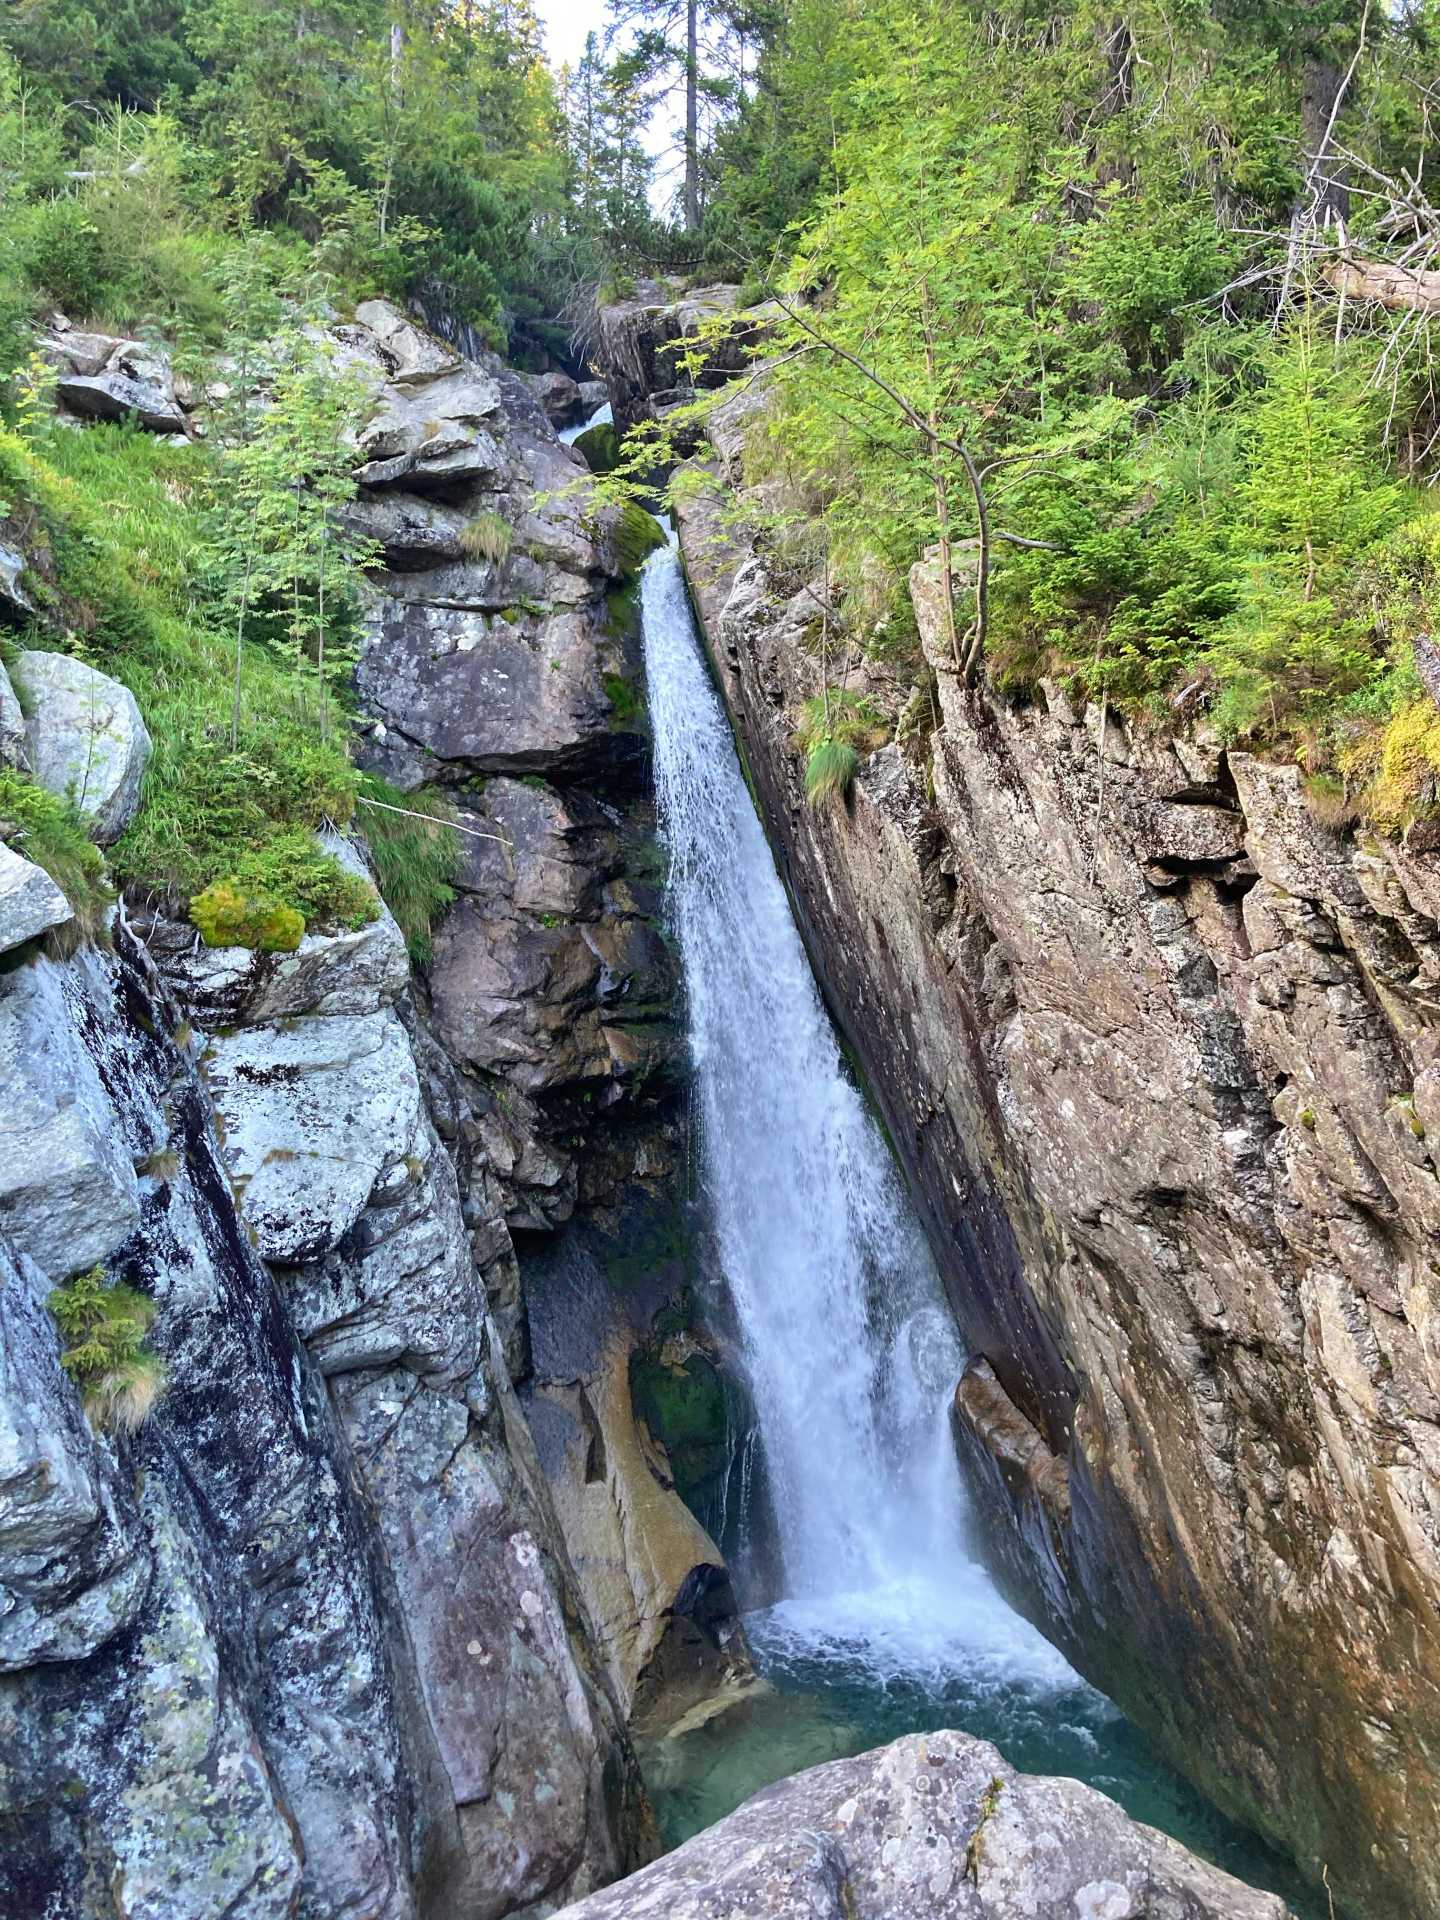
(888, 1624)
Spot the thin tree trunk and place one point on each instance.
(320, 641)
(937, 477)
(974, 652)
(240, 634)
(692, 116)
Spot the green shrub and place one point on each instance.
(275, 892)
(415, 863)
(106, 1354)
(49, 831)
(65, 255)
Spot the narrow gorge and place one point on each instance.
(719, 962)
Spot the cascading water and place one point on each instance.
(888, 1623)
(847, 1348)
(601, 417)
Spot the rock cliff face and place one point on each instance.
(1161, 1056)
(311, 1641)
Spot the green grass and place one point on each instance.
(106, 1352)
(489, 536)
(844, 715)
(123, 515)
(415, 863)
(829, 768)
(49, 831)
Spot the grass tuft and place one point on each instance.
(844, 715)
(829, 768)
(106, 1353)
(489, 536)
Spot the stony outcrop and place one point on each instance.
(30, 901)
(938, 1825)
(329, 1646)
(310, 1641)
(640, 341)
(1158, 1051)
(561, 397)
(610, 1303)
(85, 739)
(101, 376)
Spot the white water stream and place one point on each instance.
(851, 1353)
(601, 417)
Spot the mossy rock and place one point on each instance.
(599, 447)
(227, 917)
(636, 536)
(687, 1406)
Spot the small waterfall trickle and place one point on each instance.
(602, 417)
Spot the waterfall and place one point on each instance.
(889, 1622)
(850, 1350)
(601, 417)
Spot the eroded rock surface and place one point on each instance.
(935, 1825)
(642, 338)
(1157, 1050)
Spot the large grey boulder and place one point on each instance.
(560, 396)
(401, 1285)
(938, 1826)
(30, 901)
(411, 355)
(68, 1193)
(436, 436)
(86, 739)
(312, 1113)
(73, 1561)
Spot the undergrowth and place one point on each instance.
(50, 831)
(124, 517)
(415, 863)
